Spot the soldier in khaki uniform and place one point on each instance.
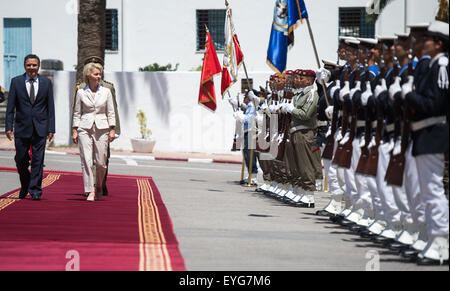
(110, 86)
(303, 135)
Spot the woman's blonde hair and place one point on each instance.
(87, 70)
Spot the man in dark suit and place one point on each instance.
(31, 98)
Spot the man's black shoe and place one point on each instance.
(36, 197)
(22, 195)
(430, 262)
(324, 213)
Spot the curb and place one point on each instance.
(148, 158)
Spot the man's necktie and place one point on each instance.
(32, 97)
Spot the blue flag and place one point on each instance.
(288, 14)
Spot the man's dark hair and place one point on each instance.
(31, 56)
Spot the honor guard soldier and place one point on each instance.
(431, 141)
(303, 130)
(110, 86)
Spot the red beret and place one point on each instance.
(310, 73)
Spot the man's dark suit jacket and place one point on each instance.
(40, 115)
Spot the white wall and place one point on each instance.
(165, 31)
(169, 100)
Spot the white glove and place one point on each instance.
(395, 88)
(272, 108)
(329, 112)
(372, 143)
(338, 86)
(233, 103)
(239, 116)
(391, 145)
(344, 91)
(323, 75)
(365, 96)
(253, 97)
(328, 132)
(356, 89)
(345, 139)
(283, 107)
(259, 120)
(289, 107)
(380, 88)
(264, 107)
(339, 136)
(407, 87)
(362, 142)
(397, 147)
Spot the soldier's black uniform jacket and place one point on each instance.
(386, 105)
(2, 94)
(430, 100)
(373, 77)
(321, 116)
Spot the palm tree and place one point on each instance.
(443, 11)
(91, 32)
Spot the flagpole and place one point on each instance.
(317, 59)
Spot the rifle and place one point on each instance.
(397, 119)
(397, 162)
(265, 93)
(345, 160)
(345, 118)
(285, 119)
(234, 147)
(372, 164)
(329, 147)
(365, 153)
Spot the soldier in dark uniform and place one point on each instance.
(431, 141)
(110, 86)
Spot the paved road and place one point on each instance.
(223, 226)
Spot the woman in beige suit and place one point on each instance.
(93, 128)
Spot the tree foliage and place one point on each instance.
(155, 67)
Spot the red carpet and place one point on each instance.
(128, 230)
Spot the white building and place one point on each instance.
(163, 32)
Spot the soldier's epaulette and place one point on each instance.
(2, 90)
(108, 83)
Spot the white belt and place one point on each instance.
(300, 127)
(321, 123)
(390, 127)
(361, 123)
(415, 126)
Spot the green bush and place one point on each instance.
(155, 67)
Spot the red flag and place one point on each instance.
(211, 67)
(233, 56)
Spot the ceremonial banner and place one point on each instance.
(233, 56)
(288, 14)
(211, 67)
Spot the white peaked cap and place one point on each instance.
(329, 63)
(352, 41)
(372, 41)
(438, 28)
(419, 25)
(346, 37)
